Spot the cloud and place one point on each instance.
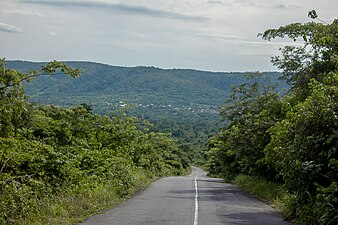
(259, 44)
(265, 52)
(265, 4)
(9, 28)
(23, 12)
(218, 36)
(121, 8)
(138, 46)
(284, 6)
(134, 34)
(218, 2)
(52, 33)
(238, 41)
(214, 2)
(246, 3)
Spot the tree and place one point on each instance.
(251, 110)
(303, 147)
(294, 136)
(315, 58)
(14, 107)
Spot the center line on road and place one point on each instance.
(196, 203)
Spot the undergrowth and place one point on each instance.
(73, 205)
(317, 211)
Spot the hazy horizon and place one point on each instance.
(150, 66)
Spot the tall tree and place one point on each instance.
(14, 107)
(314, 58)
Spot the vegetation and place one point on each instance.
(104, 86)
(268, 191)
(181, 102)
(58, 164)
(289, 140)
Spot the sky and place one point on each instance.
(213, 35)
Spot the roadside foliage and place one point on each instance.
(290, 139)
(59, 164)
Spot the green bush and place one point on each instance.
(268, 191)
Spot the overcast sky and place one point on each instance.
(216, 35)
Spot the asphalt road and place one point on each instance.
(190, 200)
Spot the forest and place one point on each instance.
(289, 141)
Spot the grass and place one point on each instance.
(271, 193)
(316, 211)
(260, 188)
(71, 208)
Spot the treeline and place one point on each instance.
(57, 164)
(190, 129)
(290, 140)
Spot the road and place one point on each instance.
(189, 200)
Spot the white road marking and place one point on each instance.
(196, 203)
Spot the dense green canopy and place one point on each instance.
(291, 139)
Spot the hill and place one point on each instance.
(183, 102)
(104, 86)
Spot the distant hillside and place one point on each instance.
(104, 86)
(178, 101)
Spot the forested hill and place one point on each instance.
(182, 102)
(104, 86)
